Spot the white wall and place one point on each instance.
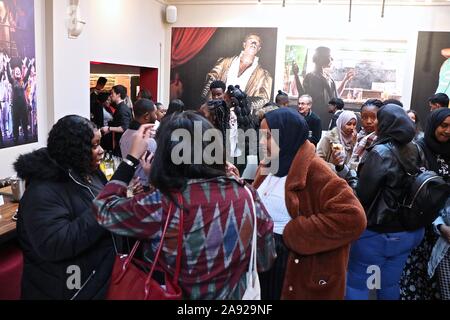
(321, 21)
(126, 32)
(129, 32)
(70, 65)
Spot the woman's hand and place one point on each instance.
(231, 170)
(104, 130)
(135, 187)
(445, 232)
(337, 158)
(146, 162)
(140, 141)
(349, 75)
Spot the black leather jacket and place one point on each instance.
(380, 184)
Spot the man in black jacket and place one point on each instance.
(122, 118)
(305, 103)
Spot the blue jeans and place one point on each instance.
(386, 251)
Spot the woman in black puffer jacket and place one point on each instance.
(67, 255)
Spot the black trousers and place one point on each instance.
(272, 281)
(20, 118)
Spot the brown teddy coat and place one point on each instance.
(326, 218)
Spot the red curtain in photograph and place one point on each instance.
(188, 42)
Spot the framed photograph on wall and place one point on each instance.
(236, 56)
(18, 76)
(351, 70)
(432, 70)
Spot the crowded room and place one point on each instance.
(228, 150)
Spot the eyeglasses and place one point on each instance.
(303, 103)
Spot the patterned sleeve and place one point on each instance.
(138, 217)
(266, 253)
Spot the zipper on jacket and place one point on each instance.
(84, 284)
(93, 272)
(82, 185)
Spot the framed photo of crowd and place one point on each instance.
(18, 111)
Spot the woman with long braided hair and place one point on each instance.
(217, 112)
(239, 106)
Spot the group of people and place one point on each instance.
(18, 114)
(112, 112)
(324, 215)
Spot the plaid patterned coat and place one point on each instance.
(218, 226)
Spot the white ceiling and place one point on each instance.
(300, 2)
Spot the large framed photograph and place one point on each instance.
(236, 56)
(18, 77)
(432, 70)
(351, 70)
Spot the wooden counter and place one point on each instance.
(7, 211)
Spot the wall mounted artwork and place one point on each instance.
(236, 56)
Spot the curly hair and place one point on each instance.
(221, 116)
(70, 144)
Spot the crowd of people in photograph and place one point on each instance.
(328, 215)
(18, 113)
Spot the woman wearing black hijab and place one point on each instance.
(382, 250)
(415, 283)
(436, 144)
(316, 215)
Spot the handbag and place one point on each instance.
(253, 290)
(130, 280)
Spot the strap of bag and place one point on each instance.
(179, 246)
(373, 202)
(180, 240)
(131, 255)
(399, 157)
(253, 265)
(116, 250)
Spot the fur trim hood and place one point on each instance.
(39, 165)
